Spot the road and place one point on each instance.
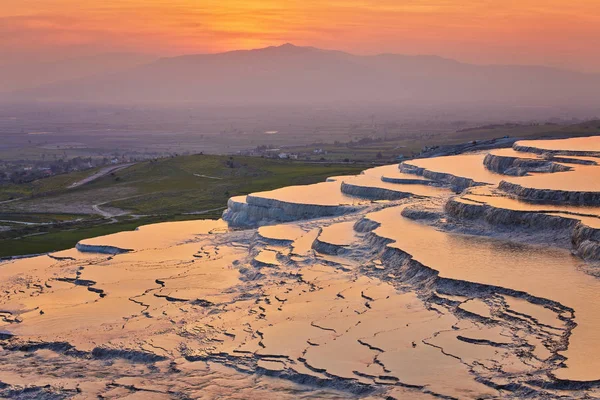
(207, 176)
(96, 207)
(10, 201)
(104, 171)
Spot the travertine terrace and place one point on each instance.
(467, 276)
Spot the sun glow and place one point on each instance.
(528, 31)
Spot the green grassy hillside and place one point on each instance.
(45, 215)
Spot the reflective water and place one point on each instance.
(509, 152)
(540, 271)
(393, 172)
(289, 232)
(375, 182)
(583, 178)
(194, 298)
(340, 234)
(157, 235)
(588, 215)
(325, 193)
(591, 143)
(466, 166)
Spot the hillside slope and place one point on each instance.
(47, 215)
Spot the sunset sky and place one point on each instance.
(549, 32)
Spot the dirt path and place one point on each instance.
(207, 176)
(205, 211)
(97, 209)
(10, 201)
(109, 215)
(24, 222)
(99, 174)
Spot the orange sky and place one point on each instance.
(551, 32)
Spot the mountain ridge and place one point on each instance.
(22, 75)
(296, 74)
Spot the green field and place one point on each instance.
(152, 191)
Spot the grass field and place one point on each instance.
(153, 191)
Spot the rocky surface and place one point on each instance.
(457, 183)
(252, 211)
(586, 241)
(355, 288)
(373, 193)
(461, 210)
(517, 166)
(581, 146)
(459, 172)
(407, 181)
(551, 196)
(565, 228)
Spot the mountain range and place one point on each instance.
(16, 76)
(289, 74)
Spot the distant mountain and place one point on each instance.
(25, 75)
(291, 74)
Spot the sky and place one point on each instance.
(545, 32)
